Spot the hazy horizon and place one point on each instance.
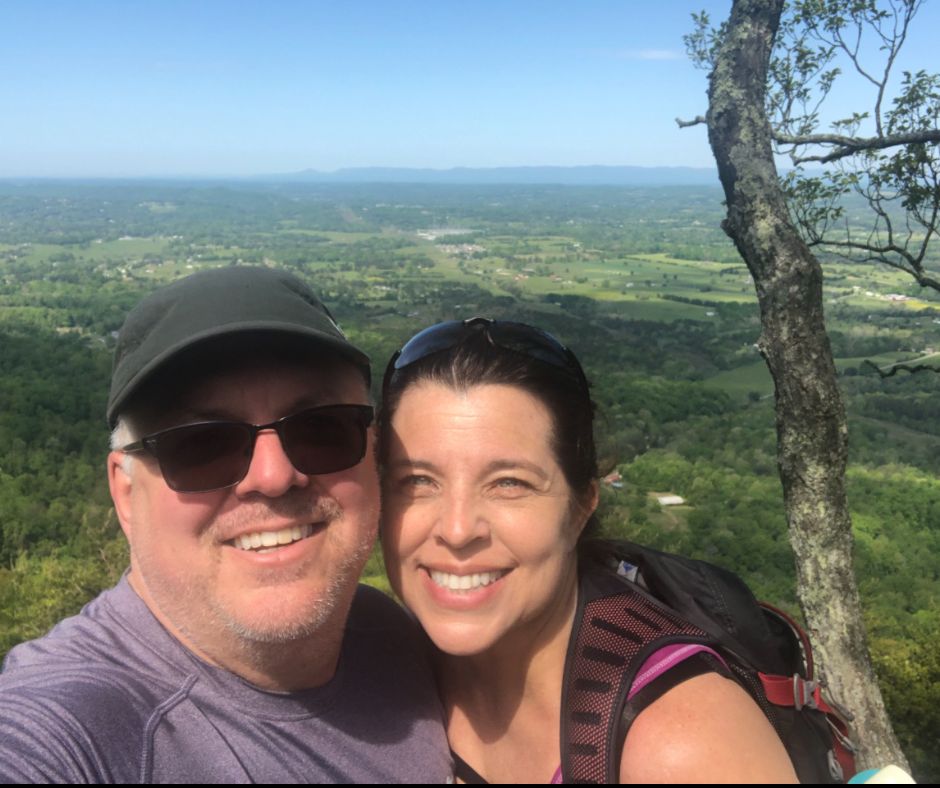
(575, 175)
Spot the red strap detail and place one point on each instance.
(844, 755)
(794, 691)
(787, 690)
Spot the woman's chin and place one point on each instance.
(458, 640)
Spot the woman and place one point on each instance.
(489, 484)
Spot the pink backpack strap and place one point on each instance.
(665, 658)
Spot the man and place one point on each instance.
(239, 646)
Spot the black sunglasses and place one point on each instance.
(211, 455)
(518, 337)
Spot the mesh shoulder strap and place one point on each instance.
(612, 636)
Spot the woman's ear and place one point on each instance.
(586, 506)
(593, 499)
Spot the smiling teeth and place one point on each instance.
(267, 539)
(464, 582)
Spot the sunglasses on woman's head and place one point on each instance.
(211, 455)
(518, 337)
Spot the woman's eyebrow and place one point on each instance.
(517, 464)
(495, 466)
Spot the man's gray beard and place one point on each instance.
(336, 593)
(255, 638)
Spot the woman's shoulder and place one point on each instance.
(706, 729)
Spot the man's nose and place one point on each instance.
(271, 472)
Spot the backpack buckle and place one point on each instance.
(804, 693)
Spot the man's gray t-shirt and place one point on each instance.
(110, 696)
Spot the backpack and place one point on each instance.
(634, 600)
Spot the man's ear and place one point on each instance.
(121, 485)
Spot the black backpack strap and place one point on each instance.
(464, 772)
(616, 628)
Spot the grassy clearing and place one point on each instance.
(120, 249)
(740, 382)
(657, 309)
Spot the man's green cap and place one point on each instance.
(216, 304)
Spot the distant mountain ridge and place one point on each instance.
(594, 175)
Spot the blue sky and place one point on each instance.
(167, 88)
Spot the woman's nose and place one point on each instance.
(461, 521)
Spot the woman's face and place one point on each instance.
(479, 526)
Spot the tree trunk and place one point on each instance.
(812, 445)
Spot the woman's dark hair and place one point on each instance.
(477, 361)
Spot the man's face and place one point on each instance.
(189, 557)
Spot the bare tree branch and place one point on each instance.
(909, 264)
(892, 45)
(862, 19)
(697, 120)
(895, 368)
(847, 146)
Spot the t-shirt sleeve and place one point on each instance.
(62, 725)
(41, 744)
